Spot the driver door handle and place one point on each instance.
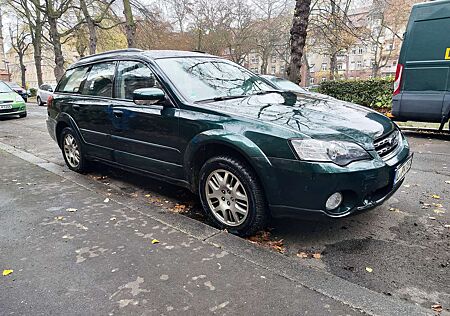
(117, 113)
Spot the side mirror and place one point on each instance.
(50, 89)
(148, 96)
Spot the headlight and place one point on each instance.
(340, 152)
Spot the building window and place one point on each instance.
(340, 66)
(394, 63)
(311, 80)
(274, 59)
(354, 51)
(324, 66)
(273, 70)
(359, 64)
(324, 79)
(282, 69)
(360, 50)
(352, 65)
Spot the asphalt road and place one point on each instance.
(405, 243)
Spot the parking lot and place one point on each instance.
(400, 249)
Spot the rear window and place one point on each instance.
(99, 81)
(72, 80)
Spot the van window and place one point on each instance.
(133, 75)
(72, 80)
(429, 40)
(99, 81)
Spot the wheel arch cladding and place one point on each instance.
(65, 120)
(219, 142)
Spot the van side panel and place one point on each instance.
(425, 81)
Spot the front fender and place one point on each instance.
(248, 149)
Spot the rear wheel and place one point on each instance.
(231, 196)
(39, 101)
(72, 151)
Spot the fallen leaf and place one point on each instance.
(438, 205)
(368, 269)
(406, 185)
(7, 272)
(59, 218)
(70, 210)
(432, 218)
(106, 200)
(447, 226)
(437, 308)
(439, 211)
(155, 241)
(435, 196)
(393, 209)
(316, 255)
(448, 182)
(179, 208)
(302, 255)
(147, 195)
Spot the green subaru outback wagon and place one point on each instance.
(249, 150)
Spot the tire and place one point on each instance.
(22, 115)
(72, 151)
(39, 101)
(212, 184)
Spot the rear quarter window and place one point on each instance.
(73, 79)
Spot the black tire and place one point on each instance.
(21, 115)
(39, 101)
(82, 166)
(257, 214)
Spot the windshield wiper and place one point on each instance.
(267, 92)
(221, 98)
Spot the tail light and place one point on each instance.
(398, 79)
(49, 101)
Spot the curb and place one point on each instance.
(353, 295)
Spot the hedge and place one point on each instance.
(373, 93)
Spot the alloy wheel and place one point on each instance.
(71, 150)
(227, 198)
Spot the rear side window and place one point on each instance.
(73, 79)
(99, 81)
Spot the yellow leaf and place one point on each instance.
(439, 211)
(59, 218)
(368, 269)
(71, 210)
(316, 255)
(438, 205)
(393, 209)
(435, 196)
(155, 241)
(147, 195)
(7, 272)
(302, 255)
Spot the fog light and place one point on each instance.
(334, 201)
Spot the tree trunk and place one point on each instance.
(36, 36)
(57, 50)
(91, 28)
(23, 69)
(130, 26)
(333, 66)
(265, 62)
(298, 38)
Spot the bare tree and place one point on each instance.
(28, 11)
(298, 38)
(20, 42)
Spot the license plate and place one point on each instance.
(402, 170)
(5, 107)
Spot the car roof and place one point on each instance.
(133, 52)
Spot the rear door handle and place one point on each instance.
(118, 113)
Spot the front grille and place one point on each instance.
(8, 110)
(6, 102)
(387, 144)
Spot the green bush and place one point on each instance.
(33, 92)
(373, 93)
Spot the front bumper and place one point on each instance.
(13, 111)
(302, 188)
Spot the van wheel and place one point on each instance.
(232, 197)
(72, 151)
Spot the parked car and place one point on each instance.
(44, 91)
(422, 85)
(10, 102)
(248, 149)
(18, 89)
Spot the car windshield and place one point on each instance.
(4, 88)
(200, 78)
(286, 84)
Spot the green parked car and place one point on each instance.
(422, 80)
(11, 103)
(248, 149)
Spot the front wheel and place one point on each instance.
(21, 115)
(72, 151)
(231, 196)
(39, 101)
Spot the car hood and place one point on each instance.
(312, 115)
(8, 97)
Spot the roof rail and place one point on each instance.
(126, 50)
